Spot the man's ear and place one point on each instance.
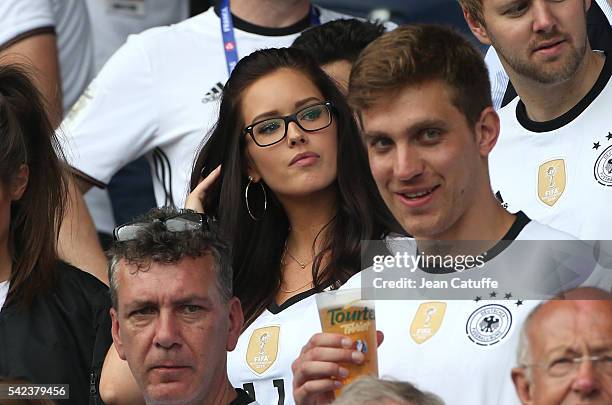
(487, 131)
(522, 385)
(236, 320)
(116, 334)
(477, 28)
(19, 183)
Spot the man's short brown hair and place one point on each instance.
(474, 8)
(416, 54)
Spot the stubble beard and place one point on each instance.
(545, 72)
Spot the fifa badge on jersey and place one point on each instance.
(263, 348)
(427, 321)
(551, 181)
(489, 324)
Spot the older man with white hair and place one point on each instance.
(565, 351)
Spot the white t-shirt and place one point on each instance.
(498, 76)
(559, 172)
(4, 287)
(71, 24)
(463, 350)
(158, 96)
(112, 21)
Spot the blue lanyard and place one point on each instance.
(229, 40)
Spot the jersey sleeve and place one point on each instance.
(498, 77)
(20, 18)
(115, 120)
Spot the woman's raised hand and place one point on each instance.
(195, 199)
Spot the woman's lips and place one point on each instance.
(304, 159)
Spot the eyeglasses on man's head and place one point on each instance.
(184, 221)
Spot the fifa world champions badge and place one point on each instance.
(551, 181)
(427, 321)
(263, 349)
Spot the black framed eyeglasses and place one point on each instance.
(273, 130)
(185, 221)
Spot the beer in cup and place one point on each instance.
(344, 312)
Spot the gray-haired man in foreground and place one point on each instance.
(174, 316)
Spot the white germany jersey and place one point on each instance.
(261, 362)
(158, 96)
(559, 172)
(112, 21)
(462, 350)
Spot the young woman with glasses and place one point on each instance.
(294, 190)
(54, 320)
(294, 195)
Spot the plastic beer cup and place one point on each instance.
(345, 313)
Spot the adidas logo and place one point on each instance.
(214, 93)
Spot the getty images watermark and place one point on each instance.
(403, 268)
(412, 262)
(431, 263)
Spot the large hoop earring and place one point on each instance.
(246, 199)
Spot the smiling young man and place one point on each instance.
(559, 126)
(174, 317)
(429, 128)
(422, 94)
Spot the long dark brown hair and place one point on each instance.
(258, 245)
(27, 137)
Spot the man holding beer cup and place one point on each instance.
(423, 98)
